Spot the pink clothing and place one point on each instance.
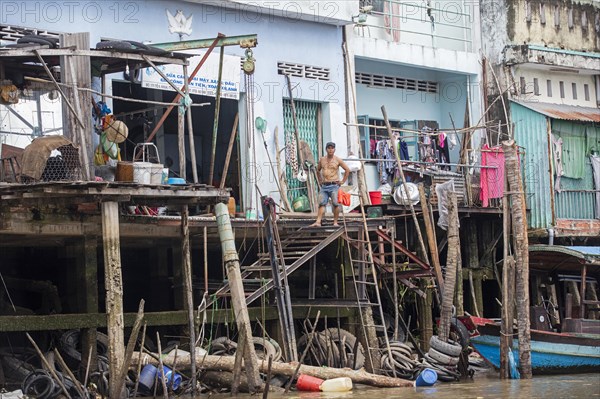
(492, 180)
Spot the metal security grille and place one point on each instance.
(395, 82)
(303, 71)
(306, 114)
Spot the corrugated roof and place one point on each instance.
(564, 112)
(562, 258)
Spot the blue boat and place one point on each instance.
(551, 353)
(565, 335)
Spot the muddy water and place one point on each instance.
(482, 387)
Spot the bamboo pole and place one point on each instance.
(521, 242)
(190, 125)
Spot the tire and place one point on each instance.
(114, 45)
(37, 39)
(460, 332)
(337, 336)
(442, 358)
(69, 346)
(447, 348)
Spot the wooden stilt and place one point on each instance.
(521, 244)
(113, 282)
(451, 263)
(187, 282)
(232, 265)
(430, 231)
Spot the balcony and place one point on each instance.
(443, 25)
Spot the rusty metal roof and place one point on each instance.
(564, 112)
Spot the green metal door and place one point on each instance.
(306, 115)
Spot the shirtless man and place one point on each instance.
(328, 176)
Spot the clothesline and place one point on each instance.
(418, 132)
(418, 163)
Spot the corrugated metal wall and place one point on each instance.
(576, 199)
(531, 132)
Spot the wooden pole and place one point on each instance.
(451, 263)
(521, 242)
(230, 149)
(181, 139)
(113, 283)
(507, 305)
(187, 283)
(178, 96)
(216, 119)
(281, 173)
(232, 265)
(433, 248)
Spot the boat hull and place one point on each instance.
(551, 353)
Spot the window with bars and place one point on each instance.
(395, 82)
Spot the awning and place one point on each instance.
(561, 258)
(564, 112)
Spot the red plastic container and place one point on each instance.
(375, 197)
(308, 383)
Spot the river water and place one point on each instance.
(481, 387)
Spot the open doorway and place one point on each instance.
(142, 118)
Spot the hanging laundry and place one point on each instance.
(491, 180)
(403, 150)
(452, 140)
(443, 150)
(557, 158)
(291, 152)
(596, 168)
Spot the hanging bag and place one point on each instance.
(343, 197)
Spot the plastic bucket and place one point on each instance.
(308, 383)
(172, 380)
(142, 171)
(427, 378)
(124, 171)
(156, 173)
(375, 197)
(341, 384)
(147, 378)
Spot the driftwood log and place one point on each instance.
(225, 363)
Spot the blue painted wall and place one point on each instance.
(280, 39)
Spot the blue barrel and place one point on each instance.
(173, 380)
(427, 378)
(147, 378)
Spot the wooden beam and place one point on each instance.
(113, 282)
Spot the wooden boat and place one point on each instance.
(551, 352)
(564, 337)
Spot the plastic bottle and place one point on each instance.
(341, 384)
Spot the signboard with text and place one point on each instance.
(205, 81)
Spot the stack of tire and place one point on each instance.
(443, 357)
(401, 364)
(264, 348)
(333, 347)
